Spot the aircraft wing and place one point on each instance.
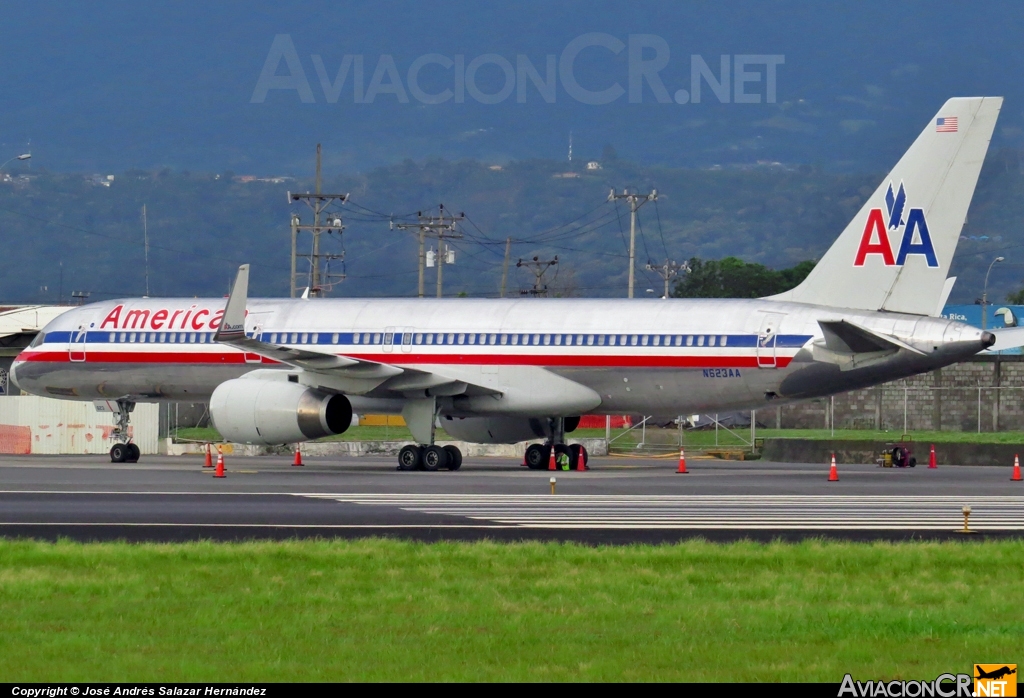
(347, 374)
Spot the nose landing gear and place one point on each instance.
(538, 456)
(124, 451)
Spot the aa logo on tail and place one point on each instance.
(875, 240)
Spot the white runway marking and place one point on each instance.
(711, 512)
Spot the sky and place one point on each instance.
(110, 86)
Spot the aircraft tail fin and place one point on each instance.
(895, 253)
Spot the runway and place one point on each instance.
(618, 501)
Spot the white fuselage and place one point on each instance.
(639, 356)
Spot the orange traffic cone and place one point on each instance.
(682, 462)
(298, 456)
(219, 472)
(581, 460)
(833, 474)
(209, 458)
(551, 460)
(931, 458)
(1016, 470)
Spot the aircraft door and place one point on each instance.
(76, 344)
(389, 339)
(766, 340)
(406, 339)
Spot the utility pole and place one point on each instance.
(442, 226)
(145, 235)
(539, 268)
(504, 266)
(324, 221)
(668, 271)
(635, 202)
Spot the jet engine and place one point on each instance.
(501, 430)
(276, 412)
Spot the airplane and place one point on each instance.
(995, 674)
(278, 371)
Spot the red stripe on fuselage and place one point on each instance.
(400, 358)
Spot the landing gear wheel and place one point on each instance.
(435, 458)
(118, 453)
(576, 451)
(133, 453)
(454, 457)
(410, 457)
(537, 457)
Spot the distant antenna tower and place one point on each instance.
(570, 146)
(145, 235)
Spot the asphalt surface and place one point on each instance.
(619, 501)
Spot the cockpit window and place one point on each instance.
(39, 339)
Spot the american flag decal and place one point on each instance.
(945, 124)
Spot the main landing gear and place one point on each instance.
(421, 416)
(430, 458)
(538, 456)
(124, 451)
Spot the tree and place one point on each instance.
(1015, 298)
(733, 278)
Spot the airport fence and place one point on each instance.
(893, 409)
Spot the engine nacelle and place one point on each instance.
(501, 430)
(272, 412)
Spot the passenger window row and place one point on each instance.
(160, 337)
(499, 338)
(436, 338)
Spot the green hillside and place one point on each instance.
(71, 232)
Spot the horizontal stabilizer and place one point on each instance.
(841, 335)
(1008, 338)
(852, 346)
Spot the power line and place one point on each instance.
(635, 202)
(661, 233)
(441, 227)
(539, 268)
(319, 203)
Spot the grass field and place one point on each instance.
(387, 610)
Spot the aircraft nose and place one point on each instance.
(988, 339)
(13, 376)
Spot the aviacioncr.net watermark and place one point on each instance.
(491, 78)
